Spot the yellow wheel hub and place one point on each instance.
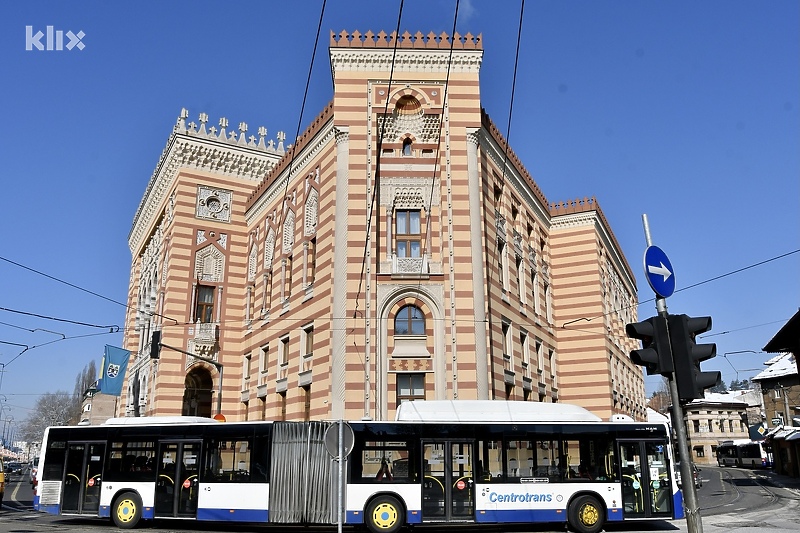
(384, 516)
(126, 510)
(589, 515)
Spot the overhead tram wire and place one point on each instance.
(436, 165)
(376, 188)
(83, 290)
(300, 118)
(502, 186)
(715, 278)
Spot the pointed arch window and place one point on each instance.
(410, 320)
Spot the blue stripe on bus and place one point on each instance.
(104, 511)
(36, 503)
(677, 505)
(233, 515)
(148, 513)
(521, 515)
(357, 517)
(51, 509)
(534, 515)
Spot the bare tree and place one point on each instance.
(661, 400)
(58, 408)
(51, 409)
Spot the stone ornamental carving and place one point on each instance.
(209, 264)
(213, 204)
(205, 149)
(288, 232)
(310, 222)
(424, 128)
(269, 249)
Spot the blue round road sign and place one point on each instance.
(659, 271)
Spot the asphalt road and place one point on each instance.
(731, 500)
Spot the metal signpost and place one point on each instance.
(661, 277)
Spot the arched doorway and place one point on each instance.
(197, 393)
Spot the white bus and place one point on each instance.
(439, 462)
(743, 453)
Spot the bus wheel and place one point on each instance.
(384, 514)
(127, 510)
(586, 514)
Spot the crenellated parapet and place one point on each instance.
(573, 209)
(418, 41)
(203, 147)
(230, 137)
(418, 53)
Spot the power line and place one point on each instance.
(62, 281)
(565, 324)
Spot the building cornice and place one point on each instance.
(418, 53)
(209, 150)
(587, 212)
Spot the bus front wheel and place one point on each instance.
(384, 514)
(586, 514)
(127, 510)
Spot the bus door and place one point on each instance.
(448, 491)
(646, 478)
(176, 481)
(82, 477)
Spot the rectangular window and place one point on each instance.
(246, 371)
(204, 309)
(263, 364)
(521, 281)
(283, 357)
(408, 233)
(287, 277)
(410, 387)
(311, 261)
(383, 462)
(539, 357)
(308, 347)
(526, 353)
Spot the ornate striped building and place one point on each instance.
(397, 250)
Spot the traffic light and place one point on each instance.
(155, 345)
(687, 356)
(655, 354)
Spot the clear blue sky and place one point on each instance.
(686, 111)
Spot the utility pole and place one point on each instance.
(694, 523)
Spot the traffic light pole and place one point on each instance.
(694, 523)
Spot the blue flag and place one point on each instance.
(112, 373)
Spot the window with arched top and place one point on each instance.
(410, 320)
(406, 146)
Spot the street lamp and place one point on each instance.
(6, 423)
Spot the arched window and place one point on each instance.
(410, 320)
(406, 146)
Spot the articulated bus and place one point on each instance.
(438, 462)
(743, 453)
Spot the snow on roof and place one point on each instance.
(491, 411)
(781, 366)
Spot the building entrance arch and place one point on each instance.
(197, 392)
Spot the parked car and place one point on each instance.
(698, 482)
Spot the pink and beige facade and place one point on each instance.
(398, 250)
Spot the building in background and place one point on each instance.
(719, 417)
(780, 386)
(398, 250)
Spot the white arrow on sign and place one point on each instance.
(660, 270)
